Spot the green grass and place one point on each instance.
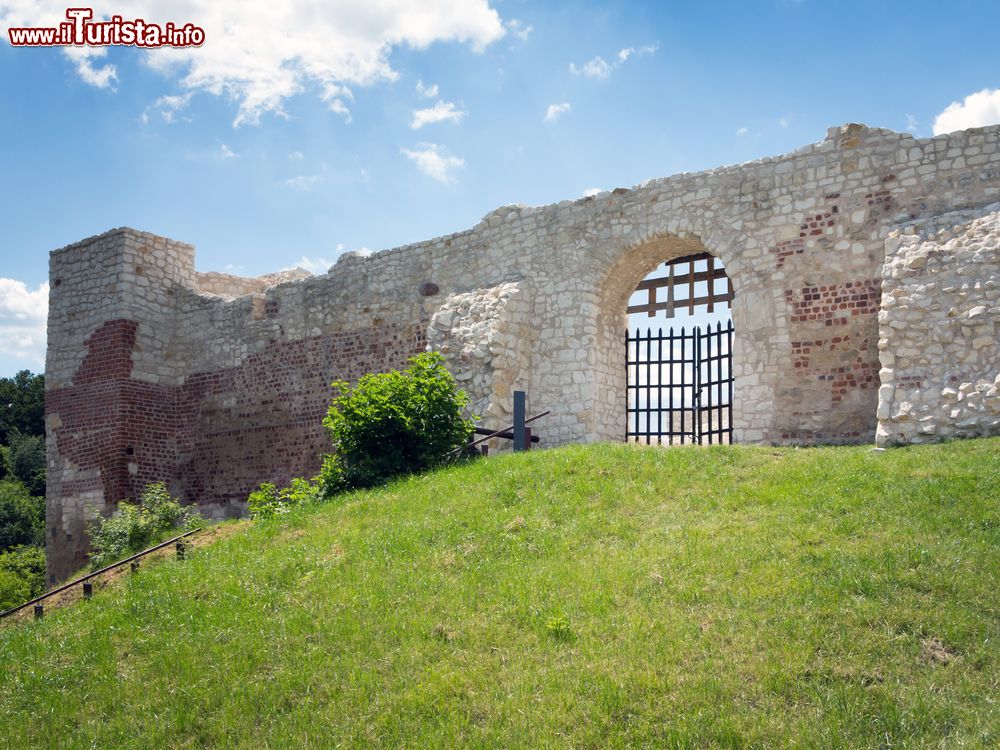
(603, 596)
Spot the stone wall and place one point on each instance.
(939, 329)
(214, 383)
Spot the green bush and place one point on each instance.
(22, 575)
(134, 527)
(26, 459)
(24, 398)
(22, 516)
(267, 501)
(394, 423)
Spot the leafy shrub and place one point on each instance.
(267, 501)
(22, 575)
(14, 590)
(331, 477)
(134, 527)
(22, 516)
(394, 423)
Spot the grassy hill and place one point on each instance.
(602, 596)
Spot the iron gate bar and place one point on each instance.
(707, 400)
(683, 385)
(696, 396)
(685, 279)
(649, 388)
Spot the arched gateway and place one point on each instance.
(679, 354)
(215, 383)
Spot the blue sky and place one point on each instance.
(289, 135)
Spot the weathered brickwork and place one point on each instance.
(216, 383)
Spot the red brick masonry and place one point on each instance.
(220, 434)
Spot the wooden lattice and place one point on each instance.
(680, 272)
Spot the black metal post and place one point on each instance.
(88, 589)
(519, 412)
(180, 549)
(670, 388)
(707, 354)
(134, 565)
(683, 385)
(39, 611)
(696, 333)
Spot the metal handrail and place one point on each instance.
(96, 573)
(492, 435)
(499, 433)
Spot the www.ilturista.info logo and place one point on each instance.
(81, 31)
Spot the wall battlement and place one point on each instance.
(215, 383)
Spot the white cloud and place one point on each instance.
(911, 124)
(975, 111)
(783, 122)
(168, 106)
(261, 52)
(555, 111)
(590, 192)
(304, 182)
(320, 265)
(595, 68)
(742, 131)
(22, 321)
(103, 77)
(315, 265)
(519, 29)
(427, 92)
(295, 156)
(600, 68)
(334, 97)
(225, 152)
(440, 112)
(432, 162)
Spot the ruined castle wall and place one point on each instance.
(217, 383)
(940, 329)
(102, 370)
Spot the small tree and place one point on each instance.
(134, 527)
(394, 423)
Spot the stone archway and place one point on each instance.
(679, 354)
(620, 283)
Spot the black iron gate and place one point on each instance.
(680, 385)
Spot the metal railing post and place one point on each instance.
(86, 580)
(519, 411)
